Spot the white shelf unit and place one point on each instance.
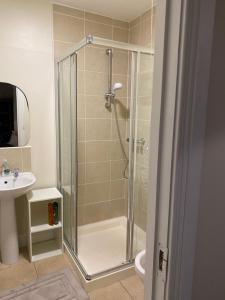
(44, 240)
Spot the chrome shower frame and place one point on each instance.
(136, 52)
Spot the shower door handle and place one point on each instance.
(140, 141)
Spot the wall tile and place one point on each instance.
(96, 59)
(135, 22)
(81, 130)
(121, 24)
(61, 48)
(122, 108)
(98, 29)
(97, 151)
(95, 107)
(144, 108)
(146, 31)
(80, 82)
(81, 194)
(98, 18)
(117, 169)
(97, 192)
(120, 35)
(121, 131)
(95, 83)
(115, 151)
(97, 172)
(120, 62)
(80, 59)
(81, 151)
(98, 129)
(13, 156)
(145, 86)
(135, 35)
(68, 11)
(80, 106)
(81, 173)
(117, 208)
(68, 29)
(117, 189)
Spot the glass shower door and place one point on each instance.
(67, 144)
(102, 178)
(142, 148)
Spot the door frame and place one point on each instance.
(182, 53)
(189, 150)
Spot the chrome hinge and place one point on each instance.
(163, 263)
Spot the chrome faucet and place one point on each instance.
(15, 173)
(5, 168)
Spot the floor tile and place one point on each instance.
(17, 274)
(134, 287)
(23, 259)
(52, 264)
(112, 292)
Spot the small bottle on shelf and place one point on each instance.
(56, 212)
(50, 214)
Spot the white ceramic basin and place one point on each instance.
(11, 188)
(140, 264)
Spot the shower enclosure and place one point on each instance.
(104, 108)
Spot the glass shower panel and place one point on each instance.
(102, 172)
(143, 121)
(67, 150)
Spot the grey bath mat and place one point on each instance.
(56, 286)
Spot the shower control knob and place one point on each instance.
(141, 141)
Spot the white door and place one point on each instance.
(166, 71)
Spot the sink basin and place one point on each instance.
(140, 264)
(11, 188)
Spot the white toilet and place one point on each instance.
(140, 264)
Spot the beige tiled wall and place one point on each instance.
(101, 192)
(102, 188)
(71, 25)
(142, 29)
(18, 157)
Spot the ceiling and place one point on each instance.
(126, 10)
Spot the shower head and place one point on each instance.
(116, 86)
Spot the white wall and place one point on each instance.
(26, 60)
(209, 275)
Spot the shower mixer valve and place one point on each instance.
(110, 96)
(109, 100)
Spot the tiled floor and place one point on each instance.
(24, 272)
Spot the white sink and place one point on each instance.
(140, 264)
(10, 188)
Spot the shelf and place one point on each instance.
(43, 195)
(44, 227)
(44, 240)
(45, 249)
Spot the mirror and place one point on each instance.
(14, 116)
